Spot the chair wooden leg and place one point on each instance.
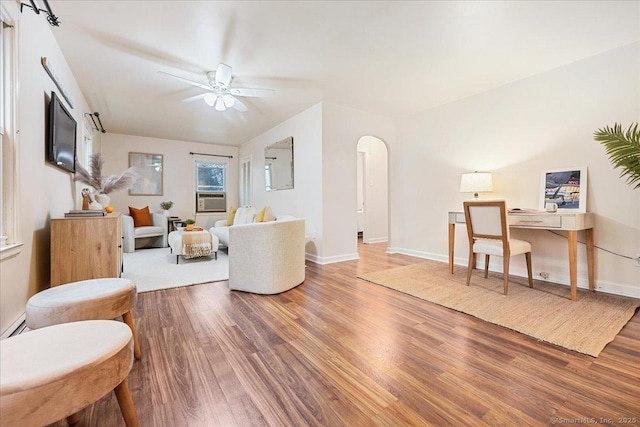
(505, 264)
(128, 319)
(472, 259)
(73, 419)
(126, 404)
(529, 272)
(486, 266)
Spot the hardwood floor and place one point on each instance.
(339, 351)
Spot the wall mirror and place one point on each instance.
(278, 165)
(149, 169)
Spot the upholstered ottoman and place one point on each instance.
(93, 299)
(51, 373)
(192, 244)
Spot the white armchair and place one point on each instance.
(267, 257)
(155, 236)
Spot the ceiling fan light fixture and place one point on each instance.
(228, 100)
(210, 99)
(218, 92)
(220, 104)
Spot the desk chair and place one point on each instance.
(488, 233)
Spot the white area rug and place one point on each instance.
(153, 269)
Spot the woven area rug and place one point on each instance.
(153, 269)
(545, 312)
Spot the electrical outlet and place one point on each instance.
(544, 275)
(637, 258)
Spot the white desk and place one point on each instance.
(566, 221)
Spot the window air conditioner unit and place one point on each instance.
(211, 202)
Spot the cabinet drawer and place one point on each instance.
(533, 221)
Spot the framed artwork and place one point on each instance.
(149, 169)
(565, 187)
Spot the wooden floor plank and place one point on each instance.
(340, 351)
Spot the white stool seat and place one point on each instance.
(51, 373)
(93, 299)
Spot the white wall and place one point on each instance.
(342, 128)
(45, 191)
(325, 139)
(178, 173)
(305, 199)
(517, 130)
(375, 189)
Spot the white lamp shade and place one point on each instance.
(476, 182)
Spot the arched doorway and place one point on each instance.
(372, 190)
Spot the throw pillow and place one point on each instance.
(231, 215)
(268, 215)
(141, 217)
(260, 215)
(244, 216)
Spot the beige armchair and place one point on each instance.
(154, 236)
(267, 257)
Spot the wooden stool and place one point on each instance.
(94, 299)
(53, 372)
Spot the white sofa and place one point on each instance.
(220, 228)
(265, 257)
(157, 232)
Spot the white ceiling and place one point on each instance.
(390, 58)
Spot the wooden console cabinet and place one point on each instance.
(85, 248)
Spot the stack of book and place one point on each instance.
(83, 213)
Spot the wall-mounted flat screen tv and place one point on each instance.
(61, 141)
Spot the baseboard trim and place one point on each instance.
(332, 259)
(421, 254)
(619, 289)
(377, 240)
(16, 327)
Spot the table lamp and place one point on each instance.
(476, 182)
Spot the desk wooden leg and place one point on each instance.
(590, 261)
(452, 236)
(573, 261)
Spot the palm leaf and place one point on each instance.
(623, 149)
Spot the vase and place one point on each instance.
(103, 199)
(166, 213)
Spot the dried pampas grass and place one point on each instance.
(108, 185)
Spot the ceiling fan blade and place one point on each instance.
(194, 98)
(239, 105)
(223, 74)
(246, 91)
(191, 82)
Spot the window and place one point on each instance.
(211, 176)
(245, 181)
(8, 135)
(268, 174)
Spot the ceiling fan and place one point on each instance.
(220, 94)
